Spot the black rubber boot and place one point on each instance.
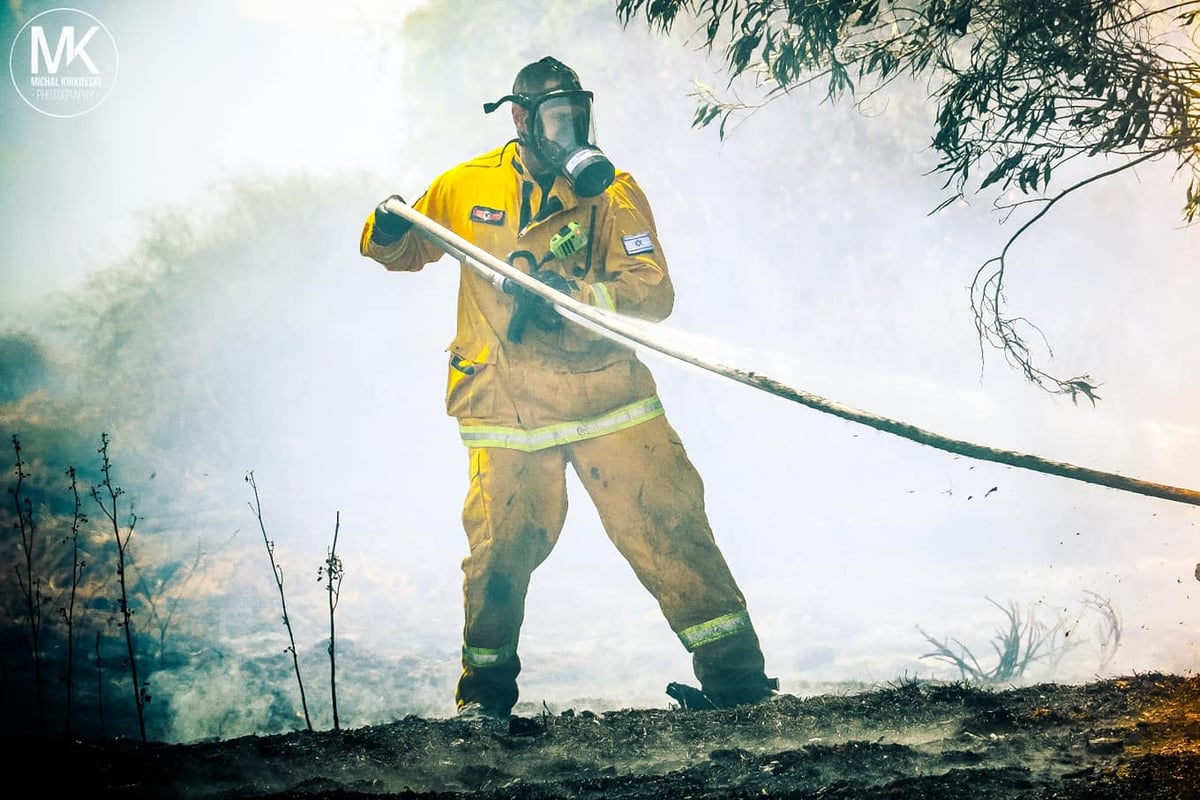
(689, 697)
(731, 671)
(490, 691)
(692, 699)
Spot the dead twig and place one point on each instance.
(277, 571)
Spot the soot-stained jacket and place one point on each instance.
(552, 387)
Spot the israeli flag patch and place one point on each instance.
(638, 243)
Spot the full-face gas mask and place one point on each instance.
(559, 132)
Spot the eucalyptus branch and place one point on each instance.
(1026, 85)
(987, 303)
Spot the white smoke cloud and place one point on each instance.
(801, 249)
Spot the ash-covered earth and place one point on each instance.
(1129, 737)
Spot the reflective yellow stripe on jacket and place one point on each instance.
(562, 433)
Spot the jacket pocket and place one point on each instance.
(471, 380)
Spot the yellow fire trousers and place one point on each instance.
(650, 499)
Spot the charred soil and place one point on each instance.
(1130, 737)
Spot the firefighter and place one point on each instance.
(534, 394)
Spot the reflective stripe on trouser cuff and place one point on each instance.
(715, 629)
(562, 433)
(486, 656)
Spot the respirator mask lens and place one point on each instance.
(560, 127)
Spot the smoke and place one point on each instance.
(183, 274)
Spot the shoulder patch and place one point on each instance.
(638, 243)
(489, 216)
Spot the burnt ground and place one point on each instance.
(1131, 737)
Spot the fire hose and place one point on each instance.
(618, 329)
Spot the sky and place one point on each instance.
(802, 248)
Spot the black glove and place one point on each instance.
(389, 228)
(530, 308)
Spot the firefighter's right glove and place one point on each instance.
(531, 309)
(389, 227)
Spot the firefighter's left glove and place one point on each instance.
(532, 309)
(389, 226)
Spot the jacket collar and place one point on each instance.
(535, 207)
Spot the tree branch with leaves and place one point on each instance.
(1022, 88)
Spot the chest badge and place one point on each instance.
(488, 216)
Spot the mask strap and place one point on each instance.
(525, 101)
(519, 99)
